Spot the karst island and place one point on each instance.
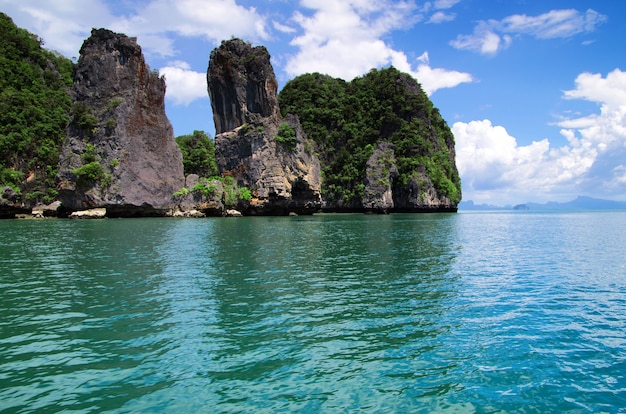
(92, 139)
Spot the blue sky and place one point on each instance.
(534, 91)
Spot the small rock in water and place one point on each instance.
(94, 213)
(233, 213)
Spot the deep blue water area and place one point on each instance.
(481, 312)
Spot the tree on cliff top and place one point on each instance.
(34, 111)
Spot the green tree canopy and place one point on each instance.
(198, 154)
(34, 111)
(347, 119)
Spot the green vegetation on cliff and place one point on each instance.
(34, 110)
(347, 119)
(198, 153)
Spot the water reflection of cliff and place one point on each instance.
(310, 297)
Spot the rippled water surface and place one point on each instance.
(468, 312)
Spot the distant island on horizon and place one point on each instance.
(579, 203)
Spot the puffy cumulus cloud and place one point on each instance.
(605, 131)
(492, 36)
(490, 162)
(344, 39)
(183, 84)
(64, 24)
(495, 168)
(212, 19)
(609, 91)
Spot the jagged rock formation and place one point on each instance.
(120, 152)
(382, 145)
(270, 156)
(242, 85)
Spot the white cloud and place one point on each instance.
(605, 130)
(593, 87)
(492, 36)
(183, 84)
(64, 24)
(439, 5)
(214, 20)
(445, 4)
(344, 39)
(282, 27)
(494, 167)
(555, 23)
(440, 17)
(484, 40)
(433, 79)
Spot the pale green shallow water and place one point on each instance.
(468, 312)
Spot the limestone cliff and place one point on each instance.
(383, 146)
(242, 85)
(269, 155)
(120, 152)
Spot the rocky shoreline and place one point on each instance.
(100, 213)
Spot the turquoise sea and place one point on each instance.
(481, 312)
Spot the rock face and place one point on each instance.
(242, 85)
(261, 151)
(381, 171)
(383, 193)
(9, 204)
(120, 152)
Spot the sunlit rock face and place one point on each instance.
(254, 145)
(120, 153)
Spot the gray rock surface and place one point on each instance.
(10, 204)
(118, 122)
(92, 213)
(241, 84)
(283, 176)
(380, 173)
(49, 210)
(384, 194)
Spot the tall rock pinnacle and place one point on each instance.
(241, 84)
(120, 151)
(271, 156)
